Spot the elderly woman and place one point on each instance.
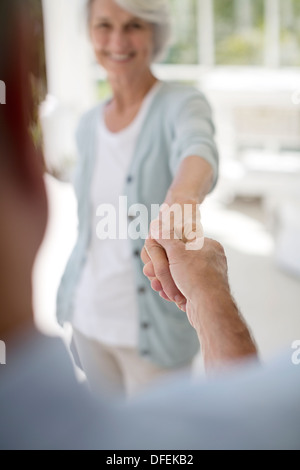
(152, 142)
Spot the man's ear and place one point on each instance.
(17, 113)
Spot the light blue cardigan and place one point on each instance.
(178, 124)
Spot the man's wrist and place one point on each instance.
(222, 331)
(210, 302)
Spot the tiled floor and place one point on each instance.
(268, 297)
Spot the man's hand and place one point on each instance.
(201, 278)
(183, 273)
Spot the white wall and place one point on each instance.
(70, 79)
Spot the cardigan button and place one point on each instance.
(137, 253)
(129, 179)
(145, 352)
(142, 290)
(145, 325)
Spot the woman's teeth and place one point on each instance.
(120, 57)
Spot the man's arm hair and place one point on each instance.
(223, 332)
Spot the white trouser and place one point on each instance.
(114, 370)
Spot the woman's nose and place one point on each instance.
(118, 40)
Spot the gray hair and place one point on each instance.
(156, 12)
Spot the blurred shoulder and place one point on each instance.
(180, 100)
(176, 98)
(180, 91)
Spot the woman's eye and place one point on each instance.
(135, 26)
(103, 26)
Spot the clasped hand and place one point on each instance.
(178, 260)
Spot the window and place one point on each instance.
(235, 32)
(239, 32)
(290, 33)
(184, 49)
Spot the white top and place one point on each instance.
(105, 304)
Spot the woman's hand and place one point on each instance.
(160, 276)
(180, 219)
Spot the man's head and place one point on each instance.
(23, 204)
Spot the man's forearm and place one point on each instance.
(222, 331)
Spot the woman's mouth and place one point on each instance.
(120, 57)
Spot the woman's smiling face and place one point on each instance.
(123, 43)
